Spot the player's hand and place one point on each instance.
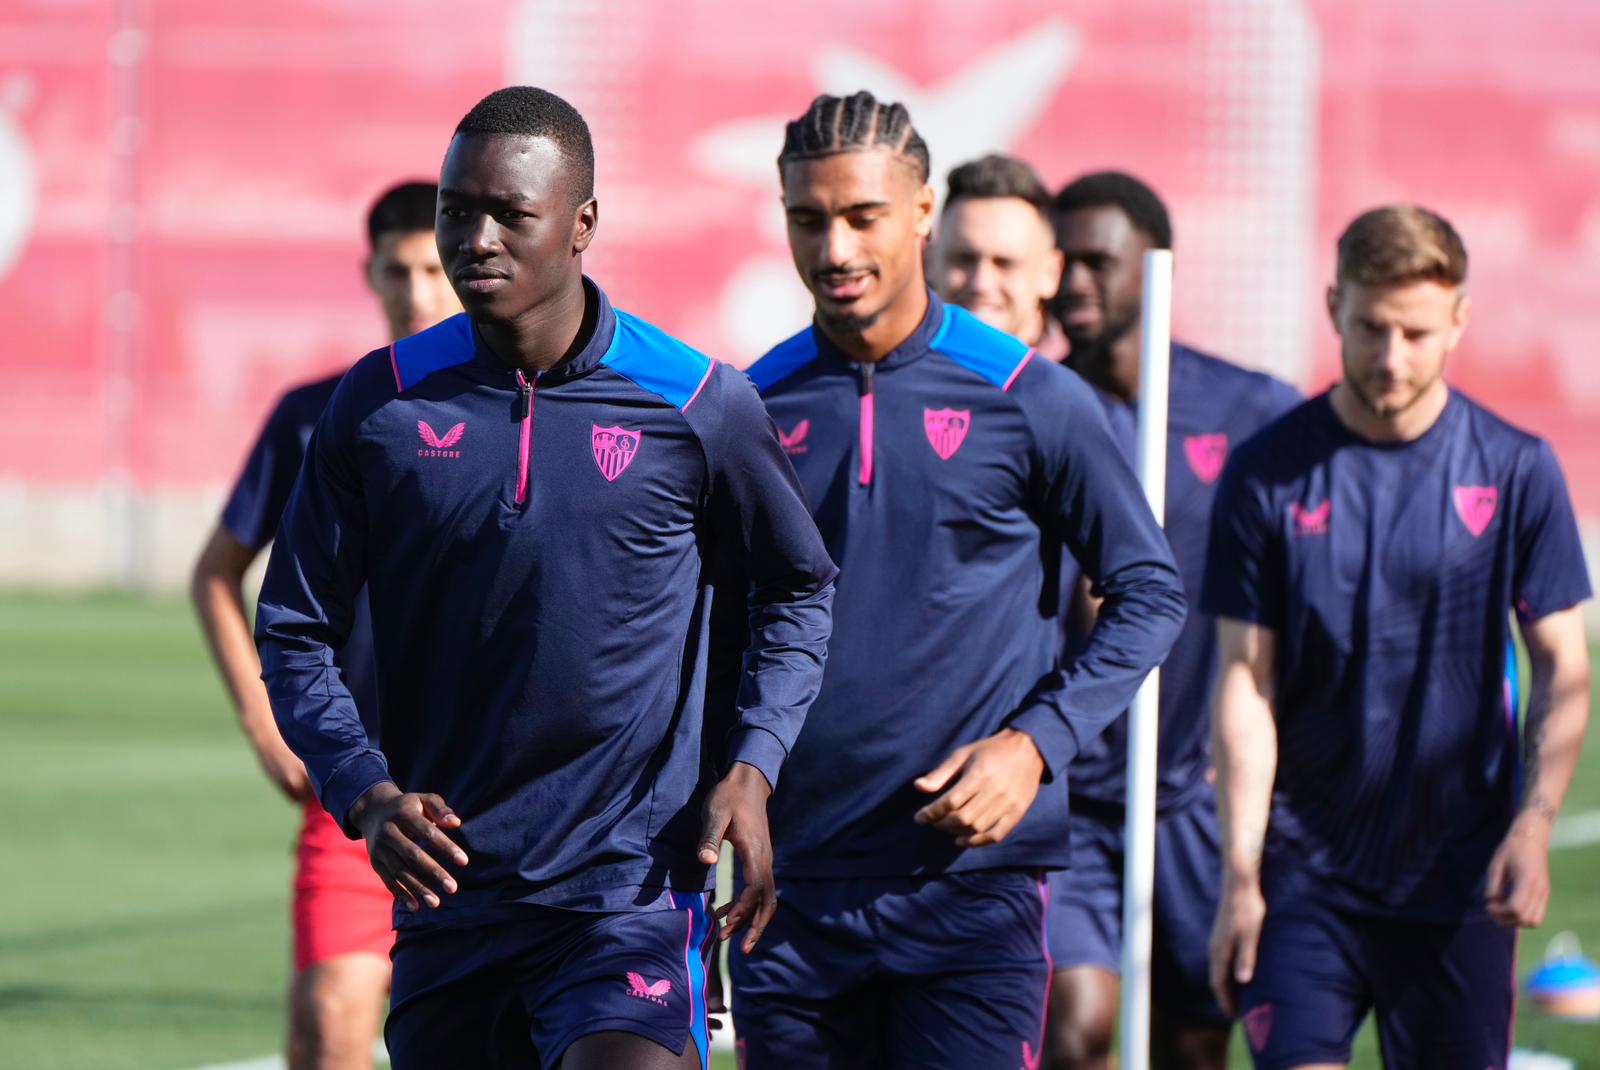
(285, 770)
(988, 787)
(1235, 937)
(405, 834)
(1519, 874)
(736, 811)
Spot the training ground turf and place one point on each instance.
(143, 888)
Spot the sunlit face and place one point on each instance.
(511, 229)
(1102, 278)
(405, 274)
(857, 223)
(1394, 339)
(996, 257)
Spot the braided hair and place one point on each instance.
(856, 123)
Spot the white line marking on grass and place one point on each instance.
(1578, 830)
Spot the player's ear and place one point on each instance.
(1051, 270)
(1458, 324)
(1333, 304)
(922, 208)
(584, 224)
(367, 277)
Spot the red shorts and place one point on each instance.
(340, 905)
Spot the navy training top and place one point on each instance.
(945, 480)
(1212, 406)
(258, 500)
(1388, 574)
(538, 556)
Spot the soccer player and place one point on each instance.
(535, 494)
(996, 254)
(1384, 830)
(342, 931)
(1105, 222)
(946, 468)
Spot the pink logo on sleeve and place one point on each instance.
(793, 440)
(1206, 454)
(439, 445)
(1475, 506)
(946, 429)
(655, 993)
(614, 449)
(1258, 1027)
(1311, 521)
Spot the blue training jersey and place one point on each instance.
(257, 502)
(1388, 574)
(539, 555)
(946, 479)
(1212, 406)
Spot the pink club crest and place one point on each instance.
(1206, 454)
(1258, 1027)
(947, 429)
(1475, 506)
(614, 449)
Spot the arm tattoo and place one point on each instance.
(1533, 738)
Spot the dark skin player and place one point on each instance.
(857, 225)
(512, 227)
(1099, 307)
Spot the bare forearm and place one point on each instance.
(220, 604)
(1558, 713)
(1245, 749)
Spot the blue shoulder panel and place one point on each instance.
(783, 360)
(978, 347)
(656, 361)
(441, 346)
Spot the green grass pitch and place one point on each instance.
(147, 862)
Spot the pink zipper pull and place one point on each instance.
(525, 413)
(867, 415)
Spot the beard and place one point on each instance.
(844, 324)
(1382, 408)
(1097, 344)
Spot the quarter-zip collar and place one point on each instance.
(580, 363)
(917, 345)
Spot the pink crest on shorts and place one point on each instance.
(655, 993)
(947, 429)
(1206, 453)
(1258, 1027)
(1475, 506)
(614, 449)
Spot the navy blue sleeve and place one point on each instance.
(258, 498)
(1550, 570)
(1089, 498)
(308, 602)
(1237, 574)
(785, 569)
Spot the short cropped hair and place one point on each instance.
(998, 176)
(523, 110)
(1117, 189)
(856, 123)
(1399, 244)
(403, 209)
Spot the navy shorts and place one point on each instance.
(951, 970)
(1443, 993)
(517, 994)
(1086, 904)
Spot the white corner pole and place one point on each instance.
(1138, 875)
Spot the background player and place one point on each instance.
(1367, 553)
(996, 255)
(536, 494)
(341, 910)
(1105, 222)
(946, 466)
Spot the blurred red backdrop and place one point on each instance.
(183, 184)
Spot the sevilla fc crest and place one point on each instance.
(1206, 453)
(1475, 507)
(614, 450)
(947, 429)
